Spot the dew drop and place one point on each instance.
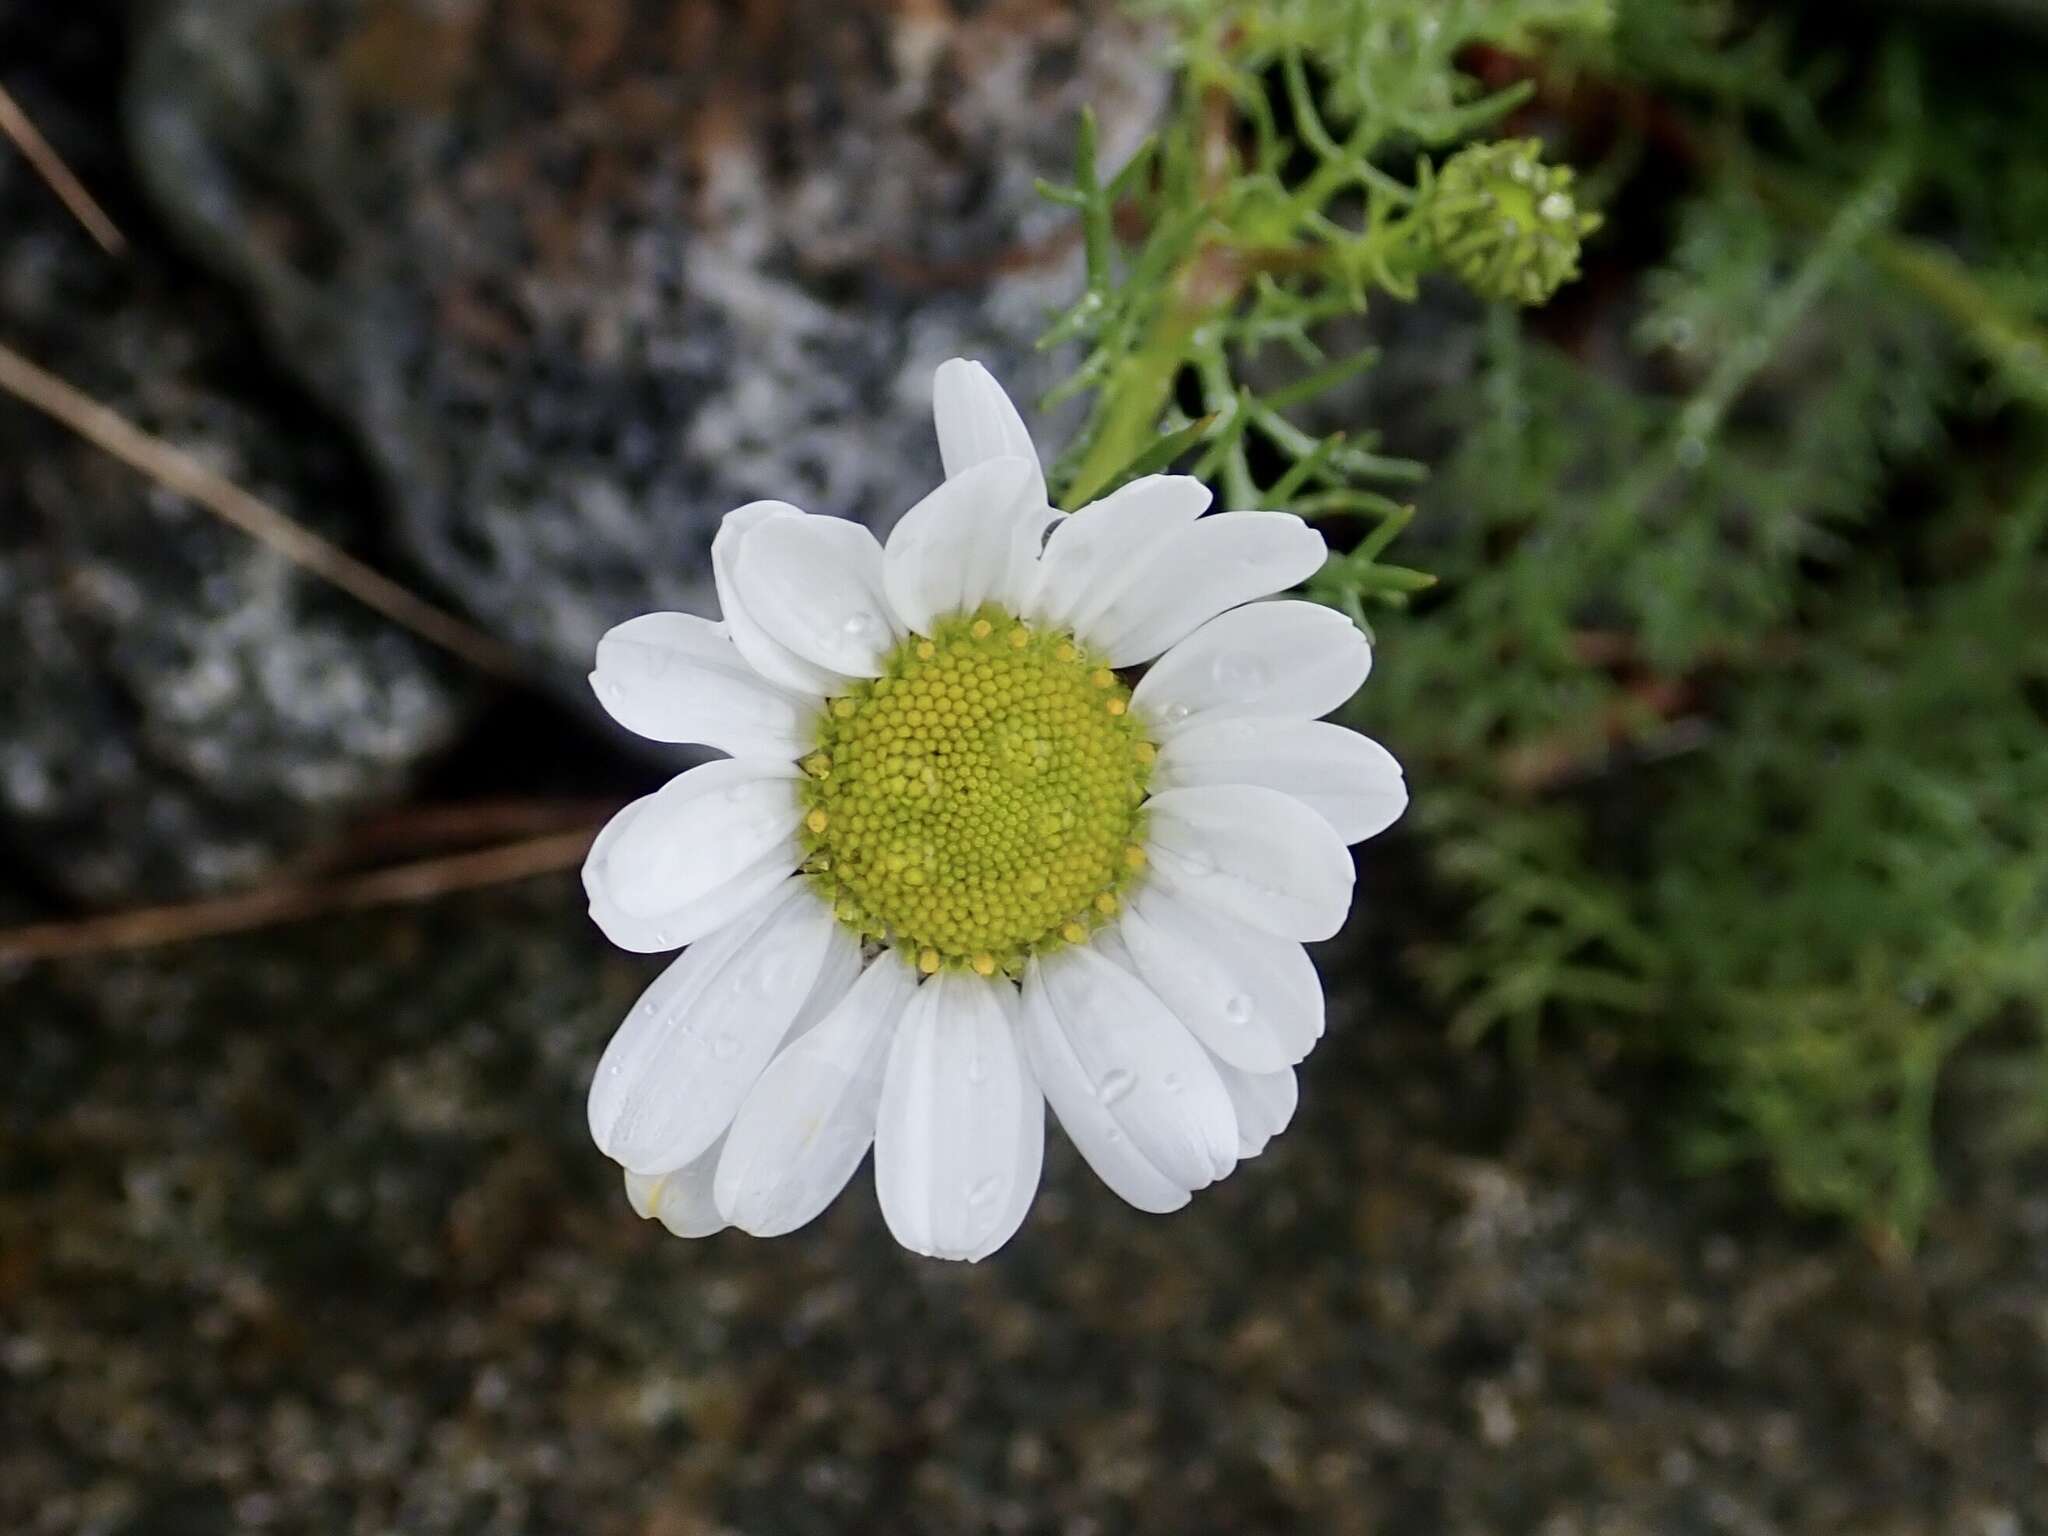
(1115, 1085)
(725, 1047)
(861, 626)
(1175, 713)
(739, 792)
(977, 1070)
(1171, 1082)
(985, 1191)
(1238, 1010)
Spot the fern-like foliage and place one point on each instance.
(1735, 672)
(1264, 209)
(1725, 710)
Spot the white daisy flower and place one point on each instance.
(1021, 808)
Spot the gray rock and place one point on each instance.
(179, 707)
(586, 277)
(303, 1232)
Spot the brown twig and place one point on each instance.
(424, 826)
(1579, 751)
(49, 165)
(153, 927)
(178, 471)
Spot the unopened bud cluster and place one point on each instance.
(1507, 223)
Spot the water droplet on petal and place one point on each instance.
(977, 1070)
(861, 626)
(1170, 1082)
(725, 1047)
(985, 1191)
(1115, 1085)
(1175, 713)
(1238, 1010)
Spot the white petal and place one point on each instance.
(954, 1132)
(698, 834)
(1254, 855)
(685, 1201)
(1215, 564)
(1284, 660)
(1264, 1102)
(973, 540)
(763, 652)
(1096, 555)
(687, 920)
(814, 584)
(1252, 998)
(676, 1070)
(1138, 1096)
(840, 969)
(680, 1201)
(676, 677)
(1030, 1163)
(1350, 780)
(976, 420)
(808, 1122)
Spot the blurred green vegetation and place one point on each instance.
(1725, 711)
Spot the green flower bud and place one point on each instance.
(1506, 223)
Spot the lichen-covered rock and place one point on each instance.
(586, 275)
(179, 707)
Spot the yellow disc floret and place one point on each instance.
(979, 801)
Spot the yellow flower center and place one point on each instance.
(978, 802)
